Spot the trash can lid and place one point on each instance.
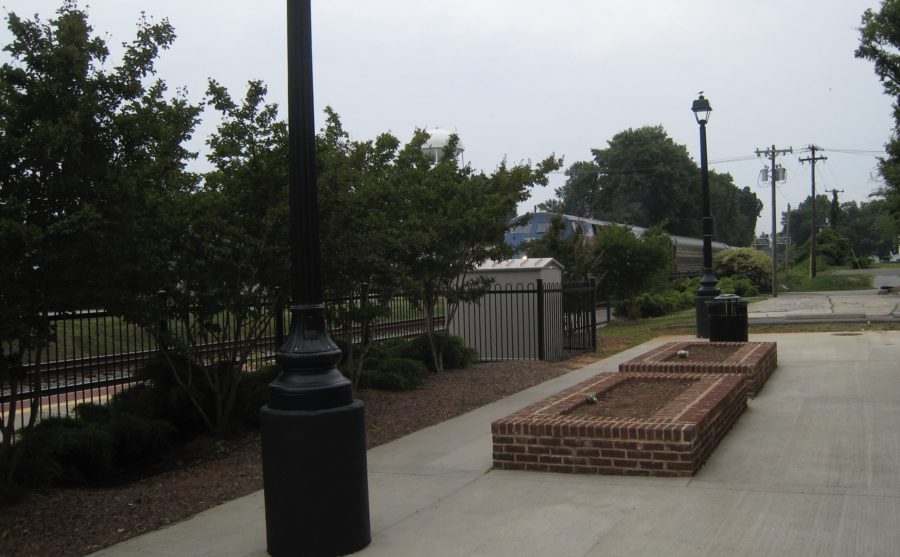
(728, 297)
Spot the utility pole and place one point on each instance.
(812, 225)
(787, 241)
(777, 174)
(835, 207)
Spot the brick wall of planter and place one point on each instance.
(754, 360)
(675, 441)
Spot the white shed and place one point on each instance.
(521, 317)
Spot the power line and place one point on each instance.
(864, 152)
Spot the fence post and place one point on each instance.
(593, 314)
(163, 325)
(367, 322)
(540, 318)
(279, 319)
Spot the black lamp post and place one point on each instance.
(708, 289)
(313, 431)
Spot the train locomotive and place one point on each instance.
(687, 252)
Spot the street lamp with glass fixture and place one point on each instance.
(708, 283)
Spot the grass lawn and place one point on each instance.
(797, 280)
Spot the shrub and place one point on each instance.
(740, 286)
(252, 393)
(455, 353)
(860, 263)
(746, 263)
(390, 348)
(140, 401)
(395, 374)
(137, 437)
(833, 247)
(66, 451)
(171, 401)
(657, 304)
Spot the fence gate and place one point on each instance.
(580, 317)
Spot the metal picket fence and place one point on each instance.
(94, 354)
(534, 321)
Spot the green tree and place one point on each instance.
(449, 220)
(869, 228)
(231, 262)
(879, 43)
(579, 195)
(644, 178)
(629, 265)
(800, 218)
(90, 162)
(574, 253)
(734, 210)
(359, 234)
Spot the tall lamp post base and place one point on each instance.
(313, 449)
(703, 313)
(316, 484)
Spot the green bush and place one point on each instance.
(657, 304)
(390, 348)
(65, 451)
(860, 263)
(746, 263)
(252, 393)
(139, 400)
(833, 247)
(740, 286)
(456, 354)
(140, 441)
(395, 374)
(171, 401)
(137, 437)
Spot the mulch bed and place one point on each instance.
(711, 352)
(78, 521)
(633, 399)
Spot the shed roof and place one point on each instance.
(521, 264)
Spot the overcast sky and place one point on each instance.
(521, 79)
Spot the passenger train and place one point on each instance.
(687, 252)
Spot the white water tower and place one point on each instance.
(437, 141)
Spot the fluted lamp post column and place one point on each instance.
(708, 282)
(313, 431)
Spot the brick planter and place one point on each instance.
(674, 441)
(754, 360)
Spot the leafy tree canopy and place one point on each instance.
(574, 253)
(91, 161)
(628, 264)
(879, 42)
(644, 178)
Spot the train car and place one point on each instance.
(687, 251)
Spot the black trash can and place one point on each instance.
(727, 318)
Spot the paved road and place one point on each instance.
(844, 306)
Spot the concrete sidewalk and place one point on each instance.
(811, 468)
